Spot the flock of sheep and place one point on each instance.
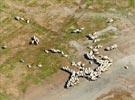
(103, 63)
(52, 50)
(18, 18)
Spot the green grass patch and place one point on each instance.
(90, 24)
(8, 65)
(106, 37)
(4, 97)
(104, 5)
(32, 3)
(23, 86)
(88, 2)
(3, 5)
(50, 64)
(38, 28)
(131, 3)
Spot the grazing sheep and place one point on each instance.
(114, 46)
(17, 18)
(34, 40)
(39, 65)
(110, 20)
(4, 47)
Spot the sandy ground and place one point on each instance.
(116, 84)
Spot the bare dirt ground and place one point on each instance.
(116, 84)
